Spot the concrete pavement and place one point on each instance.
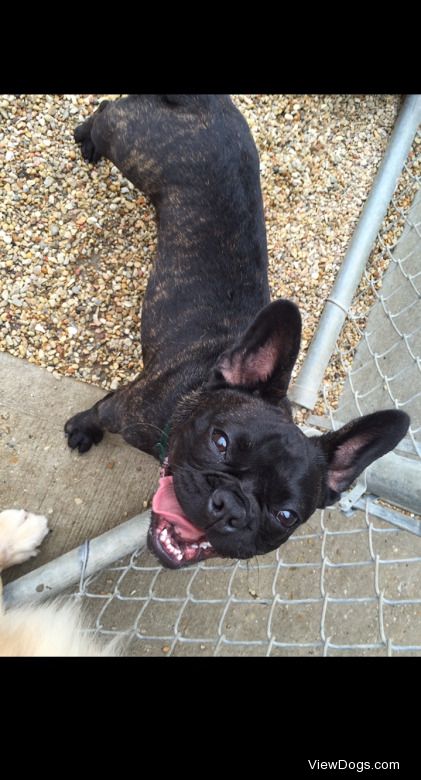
(82, 495)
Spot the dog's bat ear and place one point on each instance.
(265, 355)
(353, 447)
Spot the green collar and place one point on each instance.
(162, 445)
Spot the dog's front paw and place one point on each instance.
(82, 136)
(89, 151)
(21, 533)
(81, 433)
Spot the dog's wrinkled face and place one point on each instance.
(245, 487)
(241, 476)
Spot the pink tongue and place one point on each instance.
(165, 503)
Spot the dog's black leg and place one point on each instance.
(85, 428)
(83, 136)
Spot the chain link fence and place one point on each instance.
(345, 583)
(340, 586)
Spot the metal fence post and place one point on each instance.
(306, 386)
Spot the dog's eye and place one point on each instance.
(286, 518)
(220, 441)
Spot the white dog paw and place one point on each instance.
(21, 533)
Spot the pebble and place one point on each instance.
(80, 240)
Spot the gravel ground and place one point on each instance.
(76, 241)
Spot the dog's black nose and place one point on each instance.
(229, 512)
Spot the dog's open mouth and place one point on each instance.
(172, 537)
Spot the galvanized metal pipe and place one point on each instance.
(398, 480)
(306, 386)
(411, 524)
(92, 556)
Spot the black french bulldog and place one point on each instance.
(239, 476)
